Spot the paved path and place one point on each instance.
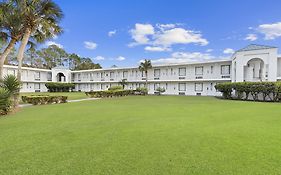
(68, 101)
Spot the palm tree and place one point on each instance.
(40, 20)
(123, 83)
(144, 67)
(11, 30)
(12, 85)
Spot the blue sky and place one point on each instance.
(124, 32)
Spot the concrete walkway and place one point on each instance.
(68, 101)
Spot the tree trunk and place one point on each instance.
(5, 54)
(21, 52)
(146, 79)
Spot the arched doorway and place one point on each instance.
(60, 77)
(255, 70)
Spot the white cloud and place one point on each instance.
(186, 57)
(156, 49)
(228, 51)
(164, 36)
(99, 58)
(209, 50)
(90, 45)
(111, 33)
(120, 58)
(271, 31)
(140, 33)
(49, 43)
(251, 37)
(179, 36)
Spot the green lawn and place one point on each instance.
(143, 135)
(71, 95)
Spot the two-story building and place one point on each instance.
(252, 63)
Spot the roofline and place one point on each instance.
(154, 66)
(29, 68)
(270, 47)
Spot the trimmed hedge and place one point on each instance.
(60, 87)
(115, 88)
(109, 93)
(259, 91)
(141, 91)
(43, 99)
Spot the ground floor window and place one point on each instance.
(182, 86)
(157, 85)
(198, 87)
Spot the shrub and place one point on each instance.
(109, 93)
(225, 89)
(44, 99)
(5, 103)
(141, 91)
(115, 88)
(60, 87)
(160, 90)
(270, 91)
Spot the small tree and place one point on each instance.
(123, 83)
(12, 85)
(144, 67)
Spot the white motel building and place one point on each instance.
(252, 63)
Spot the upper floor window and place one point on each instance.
(199, 70)
(182, 71)
(49, 76)
(156, 72)
(225, 69)
(212, 69)
(111, 74)
(102, 74)
(125, 74)
(37, 75)
(143, 74)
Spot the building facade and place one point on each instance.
(252, 63)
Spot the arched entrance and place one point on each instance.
(255, 70)
(61, 77)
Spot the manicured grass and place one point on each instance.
(71, 95)
(143, 135)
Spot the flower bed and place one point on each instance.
(44, 99)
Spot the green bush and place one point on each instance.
(269, 91)
(60, 87)
(44, 99)
(160, 90)
(115, 88)
(226, 89)
(141, 91)
(5, 103)
(109, 93)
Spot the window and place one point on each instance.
(182, 71)
(198, 87)
(49, 76)
(182, 87)
(156, 72)
(143, 74)
(199, 70)
(37, 86)
(102, 75)
(111, 74)
(37, 75)
(125, 74)
(157, 85)
(225, 69)
(212, 69)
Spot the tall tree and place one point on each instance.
(40, 19)
(53, 56)
(11, 30)
(144, 67)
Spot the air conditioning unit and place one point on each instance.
(111, 79)
(198, 94)
(157, 78)
(199, 77)
(143, 78)
(181, 78)
(225, 76)
(181, 93)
